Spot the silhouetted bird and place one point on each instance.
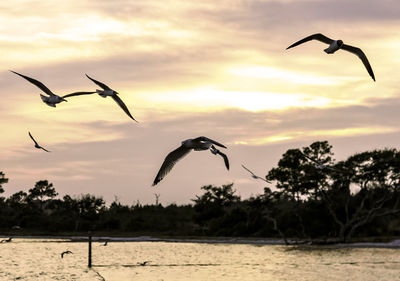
(335, 45)
(255, 176)
(36, 144)
(6, 240)
(318, 164)
(108, 92)
(52, 99)
(65, 252)
(198, 144)
(143, 263)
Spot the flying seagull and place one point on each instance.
(318, 164)
(52, 99)
(198, 144)
(6, 240)
(65, 252)
(335, 45)
(36, 144)
(107, 91)
(254, 176)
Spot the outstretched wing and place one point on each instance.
(170, 161)
(44, 149)
(123, 106)
(317, 36)
(210, 140)
(249, 171)
(33, 138)
(37, 83)
(254, 175)
(103, 86)
(309, 158)
(361, 55)
(225, 159)
(77, 94)
(214, 150)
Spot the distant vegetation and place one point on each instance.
(331, 202)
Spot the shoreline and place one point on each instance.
(393, 244)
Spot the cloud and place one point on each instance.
(126, 165)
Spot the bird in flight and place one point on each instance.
(6, 240)
(65, 252)
(318, 164)
(335, 45)
(254, 176)
(52, 99)
(108, 92)
(36, 144)
(197, 144)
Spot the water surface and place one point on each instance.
(39, 259)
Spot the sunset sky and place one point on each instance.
(187, 69)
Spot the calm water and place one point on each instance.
(39, 259)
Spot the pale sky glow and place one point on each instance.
(288, 76)
(208, 98)
(186, 69)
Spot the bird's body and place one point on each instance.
(65, 252)
(108, 92)
(197, 144)
(36, 144)
(335, 45)
(51, 99)
(105, 93)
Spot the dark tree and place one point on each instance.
(374, 177)
(3, 180)
(42, 190)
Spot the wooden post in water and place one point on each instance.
(90, 250)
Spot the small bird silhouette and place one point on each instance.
(254, 176)
(65, 252)
(6, 240)
(143, 263)
(318, 164)
(36, 144)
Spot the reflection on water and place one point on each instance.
(40, 259)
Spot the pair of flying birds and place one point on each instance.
(52, 99)
(203, 143)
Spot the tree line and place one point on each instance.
(311, 198)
